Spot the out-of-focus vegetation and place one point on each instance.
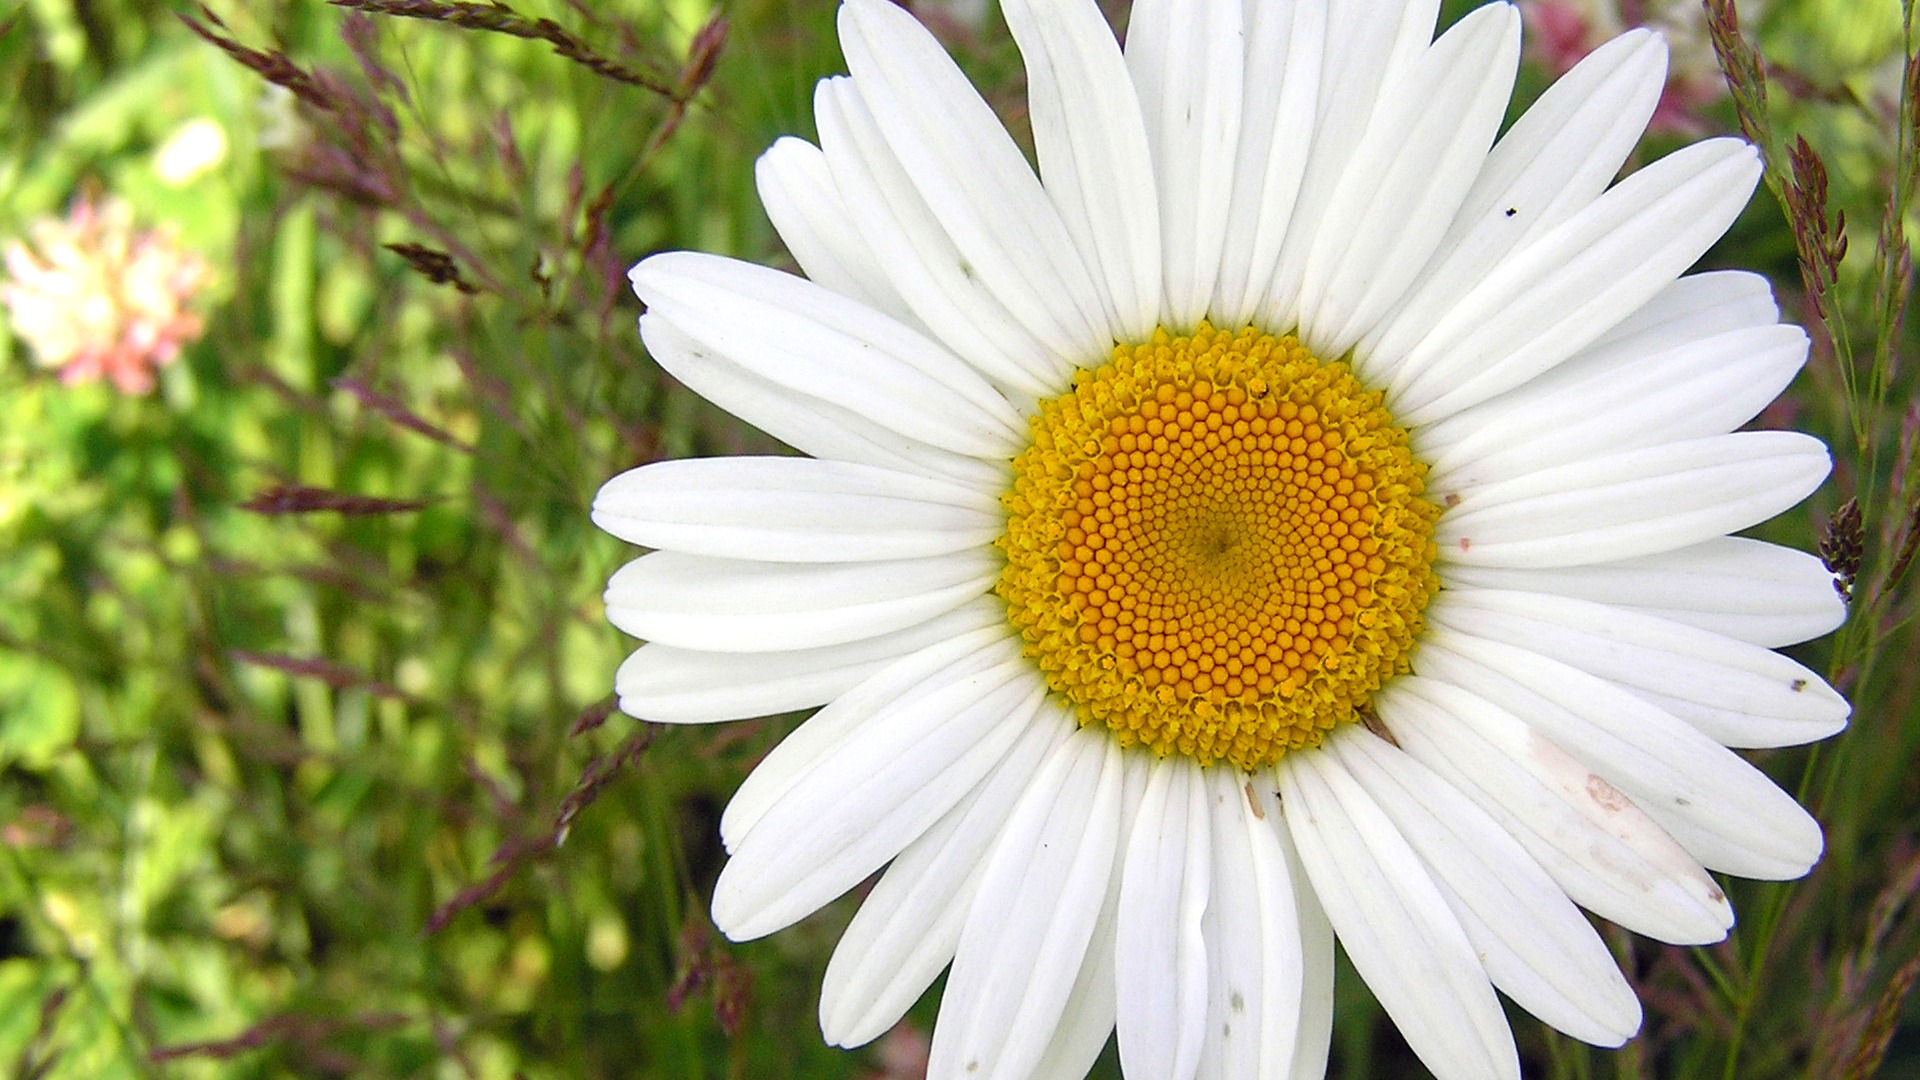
(307, 766)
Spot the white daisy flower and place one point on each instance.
(1291, 513)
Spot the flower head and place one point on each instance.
(96, 299)
(1291, 513)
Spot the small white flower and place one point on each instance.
(1290, 514)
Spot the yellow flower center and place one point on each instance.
(1217, 545)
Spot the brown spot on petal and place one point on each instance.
(1254, 802)
(1605, 795)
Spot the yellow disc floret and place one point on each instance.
(1217, 545)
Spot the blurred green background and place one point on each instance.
(306, 761)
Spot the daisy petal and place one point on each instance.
(907, 927)
(793, 510)
(1536, 945)
(856, 810)
(1161, 954)
(805, 423)
(1092, 145)
(1315, 1043)
(923, 262)
(685, 686)
(1420, 154)
(1252, 923)
(1725, 812)
(731, 605)
(827, 731)
(819, 229)
(1557, 294)
(1285, 43)
(1612, 399)
(1556, 159)
(974, 179)
(1188, 63)
(1739, 694)
(1368, 47)
(813, 341)
(1026, 936)
(1750, 590)
(1637, 502)
(1603, 851)
(1694, 307)
(1394, 922)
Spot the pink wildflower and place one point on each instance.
(95, 299)
(1564, 31)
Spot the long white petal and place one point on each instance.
(731, 605)
(1285, 45)
(826, 732)
(1092, 146)
(932, 275)
(1557, 294)
(687, 686)
(1420, 155)
(1694, 307)
(1725, 812)
(1368, 47)
(1557, 158)
(1606, 853)
(1756, 592)
(1026, 936)
(1315, 1042)
(1536, 945)
(793, 510)
(1636, 502)
(1394, 923)
(813, 341)
(1255, 1005)
(907, 928)
(806, 423)
(1739, 694)
(819, 228)
(855, 811)
(1188, 62)
(1162, 955)
(1609, 400)
(973, 178)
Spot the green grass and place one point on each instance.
(323, 794)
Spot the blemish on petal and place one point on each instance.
(1253, 801)
(1606, 796)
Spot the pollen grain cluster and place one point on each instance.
(1217, 545)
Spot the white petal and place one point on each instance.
(686, 686)
(1607, 400)
(1697, 306)
(1188, 63)
(1422, 149)
(793, 510)
(907, 927)
(856, 810)
(1255, 1004)
(973, 178)
(1607, 854)
(1162, 956)
(828, 731)
(1536, 945)
(731, 605)
(1316, 951)
(1725, 812)
(1026, 937)
(819, 228)
(1092, 146)
(1557, 294)
(1737, 693)
(1284, 48)
(1394, 923)
(1754, 591)
(1086, 1022)
(1368, 47)
(1637, 502)
(813, 341)
(1556, 159)
(937, 281)
(808, 424)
